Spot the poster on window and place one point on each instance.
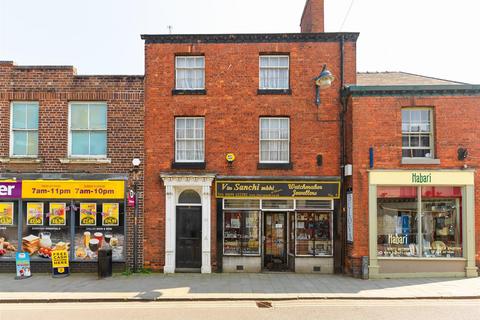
(57, 215)
(88, 214)
(110, 214)
(35, 214)
(350, 217)
(6, 214)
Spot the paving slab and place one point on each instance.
(263, 286)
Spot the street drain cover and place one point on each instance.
(264, 304)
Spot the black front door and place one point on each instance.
(189, 237)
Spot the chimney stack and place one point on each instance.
(313, 17)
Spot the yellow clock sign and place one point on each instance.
(230, 157)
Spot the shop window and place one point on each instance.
(274, 72)
(189, 139)
(88, 129)
(441, 222)
(398, 222)
(24, 135)
(98, 223)
(189, 72)
(46, 227)
(274, 140)
(241, 233)
(277, 204)
(314, 204)
(417, 133)
(314, 235)
(8, 229)
(241, 204)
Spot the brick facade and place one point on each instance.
(53, 88)
(376, 121)
(232, 107)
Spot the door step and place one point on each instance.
(188, 270)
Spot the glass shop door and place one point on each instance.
(275, 244)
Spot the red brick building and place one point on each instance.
(67, 144)
(413, 144)
(241, 162)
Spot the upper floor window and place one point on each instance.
(417, 133)
(24, 135)
(274, 72)
(189, 139)
(189, 72)
(274, 140)
(88, 129)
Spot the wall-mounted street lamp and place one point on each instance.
(324, 80)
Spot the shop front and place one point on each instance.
(80, 216)
(267, 225)
(421, 223)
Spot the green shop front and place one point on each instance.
(277, 225)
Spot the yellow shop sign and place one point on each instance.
(71, 189)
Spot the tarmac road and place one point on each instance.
(232, 310)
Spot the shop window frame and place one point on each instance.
(419, 202)
(314, 255)
(242, 232)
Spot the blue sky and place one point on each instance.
(430, 37)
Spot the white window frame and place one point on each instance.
(260, 140)
(11, 142)
(186, 68)
(194, 139)
(430, 134)
(102, 156)
(260, 71)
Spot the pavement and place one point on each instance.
(224, 286)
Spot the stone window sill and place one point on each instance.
(86, 160)
(183, 92)
(189, 165)
(275, 166)
(21, 160)
(420, 161)
(274, 91)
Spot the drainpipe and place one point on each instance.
(343, 112)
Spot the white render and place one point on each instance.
(174, 185)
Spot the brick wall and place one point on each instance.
(232, 109)
(376, 122)
(54, 87)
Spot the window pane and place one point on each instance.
(405, 141)
(250, 239)
(414, 141)
(19, 113)
(397, 232)
(200, 62)
(32, 146)
(181, 62)
(80, 143)
(98, 116)
(441, 227)
(79, 116)
(323, 234)
(305, 232)
(19, 143)
(98, 143)
(232, 233)
(32, 116)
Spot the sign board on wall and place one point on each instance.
(350, 216)
(422, 177)
(71, 189)
(278, 189)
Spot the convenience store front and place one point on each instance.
(421, 223)
(80, 216)
(275, 225)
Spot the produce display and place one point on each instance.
(6, 247)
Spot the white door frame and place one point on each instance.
(174, 185)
